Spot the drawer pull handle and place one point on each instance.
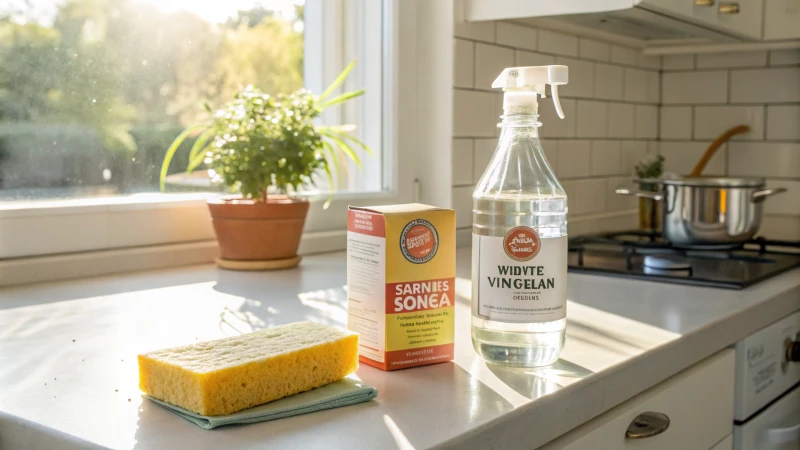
(784, 435)
(729, 8)
(704, 2)
(647, 424)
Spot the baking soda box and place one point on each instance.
(401, 268)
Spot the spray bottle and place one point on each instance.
(519, 233)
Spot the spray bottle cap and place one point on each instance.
(523, 84)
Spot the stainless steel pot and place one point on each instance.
(709, 211)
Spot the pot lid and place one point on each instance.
(722, 182)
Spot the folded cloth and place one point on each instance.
(344, 392)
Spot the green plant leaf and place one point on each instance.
(335, 157)
(354, 139)
(195, 162)
(339, 80)
(197, 149)
(174, 148)
(340, 98)
(342, 145)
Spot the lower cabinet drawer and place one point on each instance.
(698, 403)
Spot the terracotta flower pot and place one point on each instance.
(248, 230)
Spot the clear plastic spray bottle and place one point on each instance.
(519, 233)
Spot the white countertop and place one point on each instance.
(68, 358)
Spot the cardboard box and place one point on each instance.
(401, 268)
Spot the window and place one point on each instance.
(92, 92)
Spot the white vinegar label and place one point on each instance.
(520, 277)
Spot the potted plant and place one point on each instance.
(267, 148)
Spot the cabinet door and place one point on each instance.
(715, 14)
(782, 19)
(698, 402)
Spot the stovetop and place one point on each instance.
(646, 255)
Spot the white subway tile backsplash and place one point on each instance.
(480, 31)
(524, 59)
(623, 55)
(592, 119)
(677, 62)
(786, 203)
(618, 104)
(590, 196)
(462, 204)
(711, 121)
(783, 123)
(764, 159)
(648, 61)
(552, 125)
(606, 158)
(462, 161)
(780, 227)
(581, 78)
(784, 57)
(620, 120)
(574, 159)
(490, 60)
(464, 64)
(473, 114)
(731, 59)
(641, 86)
(632, 153)
(484, 149)
(517, 36)
(765, 85)
(646, 121)
(616, 202)
(681, 157)
(694, 87)
(558, 43)
(595, 50)
(653, 87)
(676, 122)
(608, 82)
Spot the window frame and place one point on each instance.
(37, 229)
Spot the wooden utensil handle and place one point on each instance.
(698, 169)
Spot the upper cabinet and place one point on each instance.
(740, 19)
(656, 23)
(782, 19)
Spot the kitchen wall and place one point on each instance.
(611, 107)
(705, 94)
(621, 105)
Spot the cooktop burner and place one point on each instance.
(646, 255)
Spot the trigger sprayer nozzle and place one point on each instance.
(534, 79)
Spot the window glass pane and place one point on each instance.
(92, 92)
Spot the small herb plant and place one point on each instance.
(257, 141)
(651, 166)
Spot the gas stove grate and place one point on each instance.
(734, 267)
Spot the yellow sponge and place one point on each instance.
(228, 375)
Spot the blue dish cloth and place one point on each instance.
(344, 392)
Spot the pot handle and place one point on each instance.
(644, 194)
(759, 196)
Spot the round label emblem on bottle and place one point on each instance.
(521, 243)
(419, 241)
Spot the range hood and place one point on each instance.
(643, 22)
